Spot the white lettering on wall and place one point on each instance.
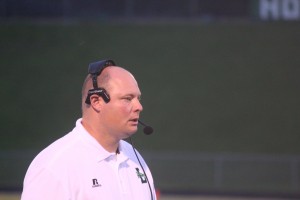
(279, 9)
(290, 9)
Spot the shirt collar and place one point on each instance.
(123, 154)
(96, 149)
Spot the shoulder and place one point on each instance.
(61, 150)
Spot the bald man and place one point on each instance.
(93, 161)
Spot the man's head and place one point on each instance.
(119, 116)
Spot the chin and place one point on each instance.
(129, 133)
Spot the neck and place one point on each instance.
(104, 139)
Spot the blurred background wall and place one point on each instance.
(220, 83)
(203, 9)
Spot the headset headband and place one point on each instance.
(95, 70)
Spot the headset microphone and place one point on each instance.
(148, 130)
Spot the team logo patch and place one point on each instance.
(141, 175)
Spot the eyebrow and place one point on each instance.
(132, 95)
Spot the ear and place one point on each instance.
(96, 102)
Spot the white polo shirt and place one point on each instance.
(77, 167)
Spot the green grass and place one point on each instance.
(10, 196)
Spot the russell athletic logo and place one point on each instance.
(95, 183)
(141, 175)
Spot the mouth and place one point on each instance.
(135, 121)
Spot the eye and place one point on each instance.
(127, 98)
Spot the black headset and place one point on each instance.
(95, 70)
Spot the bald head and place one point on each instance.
(104, 80)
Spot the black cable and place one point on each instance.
(141, 167)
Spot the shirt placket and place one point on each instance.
(116, 165)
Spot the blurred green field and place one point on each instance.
(207, 87)
(9, 196)
(218, 87)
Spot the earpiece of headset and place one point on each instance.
(95, 70)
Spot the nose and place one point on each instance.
(138, 106)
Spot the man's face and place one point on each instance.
(120, 116)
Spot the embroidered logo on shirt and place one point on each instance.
(141, 175)
(95, 183)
